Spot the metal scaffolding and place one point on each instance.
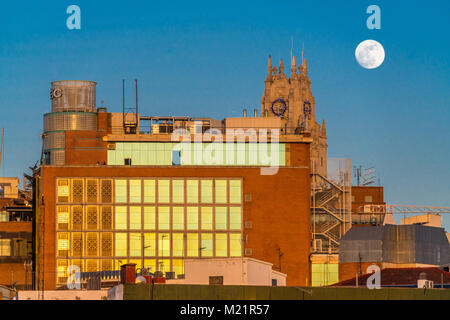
(330, 205)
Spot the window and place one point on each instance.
(150, 265)
(164, 218)
(63, 244)
(63, 190)
(177, 218)
(106, 218)
(235, 191)
(135, 245)
(207, 245)
(92, 244)
(135, 191)
(149, 218)
(235, 218)
(192, 191)
(206, 218)
(177, 267)
(163, 244)
(221, 218)
(178, 245)
(221, 245)
(235, 245)
(221, 191)
(368, 199)
(192, 218)
(121, 218)
(63, 217)
(121, 244)
(178, 191)
(206, 191)
(92, 190)
(77, 190)
(164, 265)
(149, 191)
(135, 217)
(106, 191)
(5, 247)
(77, 244)
(163, 191)
(121, 191)
(91, 217)
(127, 161)
(192, 244)
(107, 244)
(77, 217)
(149, 244)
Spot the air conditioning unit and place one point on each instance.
(425, 284)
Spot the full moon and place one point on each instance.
(369, 54)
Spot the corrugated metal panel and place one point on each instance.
(61, 121)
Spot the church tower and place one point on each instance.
(291, 100)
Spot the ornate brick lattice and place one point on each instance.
(91, 265)
(106, 219)
(77, 217)
(92, 190)
(107, 244)
(92, 217)
(106, 191)
(77, 244)
(107, 265)
(91, 244)
(77, 191)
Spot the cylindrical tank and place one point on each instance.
(73, 95)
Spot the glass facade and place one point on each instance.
(153, 222)
(324, 274)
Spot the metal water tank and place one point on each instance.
(73, 95)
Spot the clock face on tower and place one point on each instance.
(279, 107)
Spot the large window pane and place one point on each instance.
(149, 191)
(163, 244)
(206, 191)
(121, 217)
(221, 218)
(178, 191)
(135, 217)
(164, 265)
(235, 245)
(178, 266)
(177, 218)
(121, 191)
(235, 191)
(135, 245)
(221, 245)
(149, 244)
(221, 191)
(192, 218)
(163, 191)
(150, 265)
(121, 245)
(192, 191)
(206, 218)
(192, 244)
(177, 245)
(235, 218)
(163, 218)
(135, 191)
(149, 218)
(207, 245)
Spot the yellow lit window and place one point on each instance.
(92, 190)
(192, 244)
(192, 191)
(235, 218)
(178, 191)
(221, 245)
(178, 266)
(63, 190)
(235, 245)
(163, 218)
(121, 246)
(149, 218)
(91, 244)
(149, 191)
(91, 265)
(106, 265)
(221, 218)
(107, 244)
(91, 217)
(235, 191)
(63, 244)
(150, 265)
(138, 263)
(135, 245)
(135, 191)
(207, 245)
(121, 217)
(192, 218)
(63, 217)
(77, 244)
(164, 265)
(77, 217)
(121, 191)
(206, 218)
(135, 217)
(221, 191)
(149, 244)
(206, 191)
(177, 218)
(163, 245)
(163, 191)
(61, 271)
(5, 247)
(77, 263)
(177, 245)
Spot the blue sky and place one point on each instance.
(209, 58)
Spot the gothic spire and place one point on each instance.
(293, 66)
(269, 65)
(305, 67)
(281, 67)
